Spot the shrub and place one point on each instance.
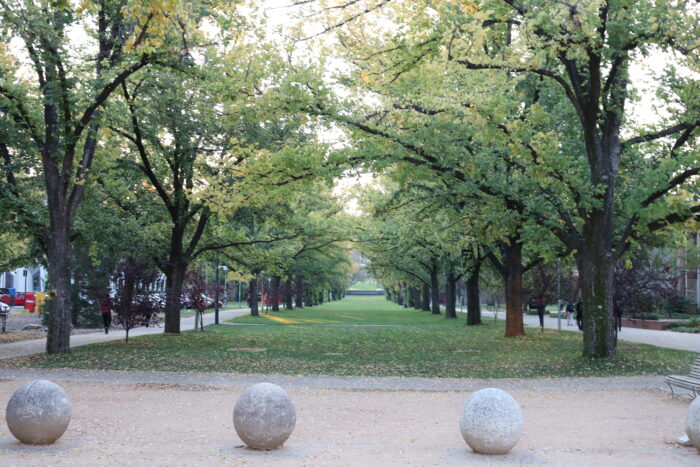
(677, 303)
(647, 316)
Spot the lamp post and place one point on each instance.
(216, 290)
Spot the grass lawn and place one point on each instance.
(323, 340)
(365, 285)
(353, 310)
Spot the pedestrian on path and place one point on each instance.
(579, 314)
(540, 312)
(106, 310)
(569, 313)
(617, 311)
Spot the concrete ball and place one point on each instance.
(491, 421)
(38, 412)
(264, 416)
(692, 423)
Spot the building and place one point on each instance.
(25, 279)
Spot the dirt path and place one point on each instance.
(156, 424)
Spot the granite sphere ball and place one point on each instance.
(264, 416)
(692, 423)
(491, 421)
(38, 412)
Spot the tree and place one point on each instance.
(583, 56)
(588, 51)
(132, 302)
(195, 292)
(59, 120)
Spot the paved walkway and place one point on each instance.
(31, 347)
(376, 383)
(667, 339)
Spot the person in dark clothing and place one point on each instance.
(579, 314)
(106, 310)
(540, 312)
(617, 311)
(569, 313)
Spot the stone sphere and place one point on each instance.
(692, 423)
(38, 412)
(264, 416)
(491, 421)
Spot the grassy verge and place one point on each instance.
(320, 341)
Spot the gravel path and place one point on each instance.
(166, 425)
(225, 380)
(184, 419)
(18, 322)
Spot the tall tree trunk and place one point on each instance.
(596, 269)
(596, 257)
(274, 293)
(288, 294)
(59, 252)
(400, 294)
(415, 293)
(174, 270)
(451, 295)
(473, 299)
(435, 291)
(299, 299)
(309, 297)
(426, 297)
(174, 280)
(408, 290)
(513, 261)
(253, 294)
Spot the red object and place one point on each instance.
(106, 306)
(23, 299)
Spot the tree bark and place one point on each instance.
(174, 270)
(426, 297)
(59, 254)
(473, 299)
(415, 293)
(174, 279)
(513, 258)
(435, 291)
(274, 293)
(451, 295)
(288, 294)
(595, 265)
(299, 299)
(400, 294)
(253, 294)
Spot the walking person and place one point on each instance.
(540, 312)
(617, 311)
(569, 313)
(579, 314)
(106, 310)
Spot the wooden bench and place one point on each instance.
(690, 382)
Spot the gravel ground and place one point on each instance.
(176, 425)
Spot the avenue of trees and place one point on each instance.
(506, 135)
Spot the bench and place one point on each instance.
(690, 382)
